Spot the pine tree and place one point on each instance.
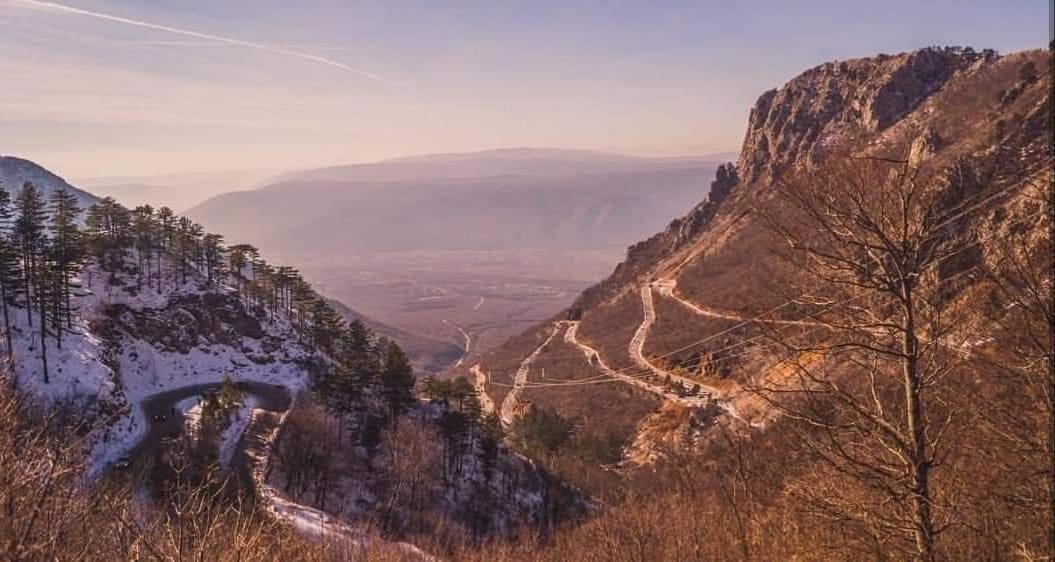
(66, 252)
(397, 377)
(166, 221)
(47, 282)
(213, 251)
(9, 265)
(325, 326)
(29, 232)
(238, 258)
(183, 245)
(143, 231)
(109, 227)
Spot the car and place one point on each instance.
(123, 463)
(160, 418)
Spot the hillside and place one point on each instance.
(426, 354)
(14, 172)
(164, 361)
(715, 326)
(500, 200)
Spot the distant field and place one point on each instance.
(490, 295)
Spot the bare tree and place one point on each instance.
(413, 458)
(869, 244)
(1023, 354)
(306, 453)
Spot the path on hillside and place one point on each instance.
(637, 354)
(637, 345)
(251, 459)
(480, 382)
(468, 341)
(510, 400)
(668, 288)
(594, 359)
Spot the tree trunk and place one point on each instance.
(913, 389)
(7, 321)
(27, 275)
(56, 315)
(43, 337)
(66, 293)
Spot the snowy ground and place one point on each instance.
(77, 372)
(238, 422)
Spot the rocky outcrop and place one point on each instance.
(830, 107)
(925, 146)
(191, 320)
(725, 179)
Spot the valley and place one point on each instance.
(491, 295)
(495, 287)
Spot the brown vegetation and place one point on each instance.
(51, 513)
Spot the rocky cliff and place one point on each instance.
(838, 104)
(980, 121)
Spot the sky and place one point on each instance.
(92, 88)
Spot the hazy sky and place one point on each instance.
(119, 87)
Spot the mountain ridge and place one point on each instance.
(501, 161)
(889, 107)
(15, 171)
(579, 210)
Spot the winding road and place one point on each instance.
(594, 358)
(506, 414)
(164, 418)
(637, 345)
(480, 382)
(668, 288)
(637, 353)
(468, 341)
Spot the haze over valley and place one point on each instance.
(559, 281)
(417, 242)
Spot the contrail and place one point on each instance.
(198, 35)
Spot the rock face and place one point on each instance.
(965, 119)
(831, 106)
(925, 146)
(190, 320)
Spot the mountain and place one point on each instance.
(161, 363)
(753, 343)
(498, 162)
(15, 172)
(179, 191)
(497, 200)
(427, 354)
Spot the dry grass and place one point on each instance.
(609, 327)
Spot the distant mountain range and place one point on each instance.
(179, 191)
(535, 162)
(493, 200)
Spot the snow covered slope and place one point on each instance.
(129, 342)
